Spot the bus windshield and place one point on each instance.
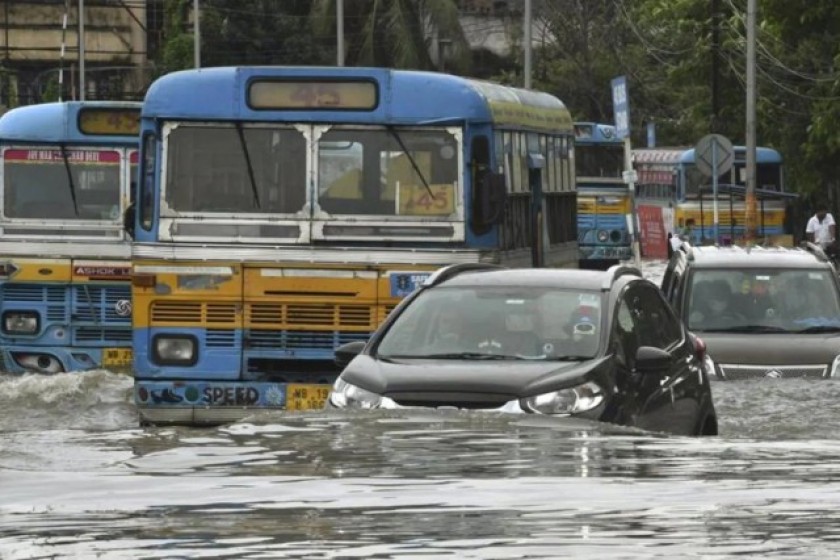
(262, 169)
(217, 169)
(599, 161)
(392, 172)
(43, 184)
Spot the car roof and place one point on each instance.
(753, 257)
(589, 280)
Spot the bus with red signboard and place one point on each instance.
(65, 268)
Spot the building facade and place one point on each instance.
(40, 50)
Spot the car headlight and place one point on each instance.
(709, 366)
(835, 368)
(566, 401)
(346, 395)
(20, 322)
(174, 349)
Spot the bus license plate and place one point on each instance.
(306, 397)
(117, 357)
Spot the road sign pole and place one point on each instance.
(715, 190)
(631, 196)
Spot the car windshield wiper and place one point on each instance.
(819, 329)
(455, 356)
(410, 157)
(248, 163)
(571, 358)
(749, 329)
(70, 178)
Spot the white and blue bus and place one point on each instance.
(65, 268)
(603, 201)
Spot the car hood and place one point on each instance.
(772, 349)
(511, 378)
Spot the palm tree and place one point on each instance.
(396, 33)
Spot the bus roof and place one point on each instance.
(592, 132)
(403, 97)
(674, 156)
(59, 122)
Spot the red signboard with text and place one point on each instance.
(652, 236)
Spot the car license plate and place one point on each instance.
(306, 397)
(117, 357)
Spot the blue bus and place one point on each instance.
(287, 210)
(603, 201)
(65, 259)
(668, 178)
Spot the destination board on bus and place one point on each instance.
(86, 157)
(109, 122)
(322, 94)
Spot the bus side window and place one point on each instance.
(147, 181)
(488, 188)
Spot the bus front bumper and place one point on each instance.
(218, 402)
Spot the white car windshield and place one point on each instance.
(507, 322)
(763, 300)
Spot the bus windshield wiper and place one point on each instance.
(411, 159)
(70, 178)
(248, 162)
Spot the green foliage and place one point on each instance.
(396, 33)
(260, 32)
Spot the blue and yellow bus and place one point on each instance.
(602, 196)
(285, 211)
(669, 178)
(65, 259)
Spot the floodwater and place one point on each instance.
(80, 479)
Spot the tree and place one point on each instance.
(396, 33)
(257, 32)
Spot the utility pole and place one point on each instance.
(715, 124)
(197, 35)
(750, 214)
(82, 50)
(339, 32)
(526, 32)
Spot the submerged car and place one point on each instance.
(599, 345)
(762, 312)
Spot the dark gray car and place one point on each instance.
(596, 345)
(762, 312)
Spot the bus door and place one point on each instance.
(539, 233)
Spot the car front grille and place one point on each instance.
(742, 371)
(469, 401)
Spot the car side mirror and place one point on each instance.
(652, 360)
(345, 353)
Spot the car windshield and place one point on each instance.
(534, 323)
(763, 300)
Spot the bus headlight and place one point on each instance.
(175, 350)
(38, 363)
(20, 322)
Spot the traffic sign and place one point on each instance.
(621, 106)
(713, 155)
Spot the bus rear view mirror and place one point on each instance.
(490, 198)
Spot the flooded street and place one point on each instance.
(79, 479)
